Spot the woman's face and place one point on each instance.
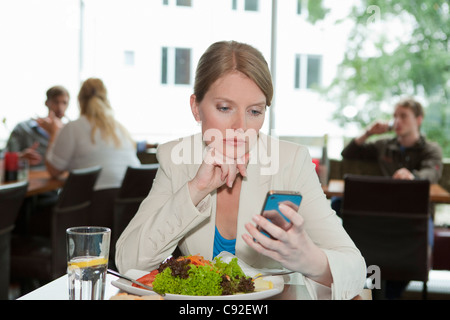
(231, 113)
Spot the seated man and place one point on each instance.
(30, 137)
(407, 156)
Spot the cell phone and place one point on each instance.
(271, 209)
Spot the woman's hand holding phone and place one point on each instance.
(293, 248)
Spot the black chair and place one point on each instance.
(102, 208)
(11, 199)
(388, 220)
(135, 187)
(42, 258)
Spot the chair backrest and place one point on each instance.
(138, 181)
(74, 191)
(135, 187)
(11, 199)
(72, 209)
(388, 221)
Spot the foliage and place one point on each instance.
(397, 48)
(316, 11)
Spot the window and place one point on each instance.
(297, 72)
(302, 6)
(175, 66)
(180, 3)
(129, 58)
(314, 71)
(164, 65)
(251, 5)
(184, 3)
(182, 66)
(308, 71)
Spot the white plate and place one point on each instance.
(125, 285)
(278, 284)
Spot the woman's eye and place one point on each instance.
(255, 112)
(223, 108)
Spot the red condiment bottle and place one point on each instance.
(11, 166)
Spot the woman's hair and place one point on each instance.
(224, 57)
(95, 106)
(413, 105)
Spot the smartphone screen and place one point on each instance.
(271, 211)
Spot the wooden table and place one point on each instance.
(40, 181)
(438, 194)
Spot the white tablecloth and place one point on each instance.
(59, 290)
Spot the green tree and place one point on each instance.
(381, 65)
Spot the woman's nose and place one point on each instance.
(239, 122)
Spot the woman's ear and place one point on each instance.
(194, 108)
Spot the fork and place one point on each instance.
(117, 274)
(273, 274)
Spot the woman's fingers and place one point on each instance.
(242, 164)
(292, 214)
(280, 236)
(229, 167)
(270, 228)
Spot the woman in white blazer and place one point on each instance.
(210, 188)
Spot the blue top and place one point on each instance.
(222, 244)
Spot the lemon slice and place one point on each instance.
(261, 284)
(87, 262)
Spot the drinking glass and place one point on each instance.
(87, 262)
(23, 169)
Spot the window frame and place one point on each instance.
(170, 66)
(301, 71)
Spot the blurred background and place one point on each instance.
(337, 65)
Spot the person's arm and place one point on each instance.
(51, 124)
(359, 149)
(431, 165)
(317, 245)
(18, 142)
(163, 218)
(142, 146)
(31, 154)
(61, 145)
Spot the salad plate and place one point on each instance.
(127, 286)
(277, 281)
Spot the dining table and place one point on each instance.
(40, 181)
(335, 188)
(58, 290)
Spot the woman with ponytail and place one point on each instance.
(96, 138)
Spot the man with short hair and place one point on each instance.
(30, 137)
(406, 156)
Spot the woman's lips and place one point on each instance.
(234, 142)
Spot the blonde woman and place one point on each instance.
(210, 188)
(95, 138)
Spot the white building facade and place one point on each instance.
(146, 52)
